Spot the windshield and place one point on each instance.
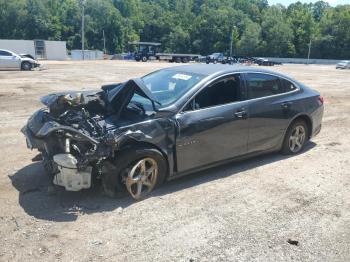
(167, 86)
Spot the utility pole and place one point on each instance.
(308, 55)
(104, 42)
(231, 43)
(82, 27)
(234, 31)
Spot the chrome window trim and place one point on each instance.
(181, 112)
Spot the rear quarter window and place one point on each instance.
(287, 85)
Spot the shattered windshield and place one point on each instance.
(167, 86)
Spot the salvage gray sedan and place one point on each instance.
(135, 135)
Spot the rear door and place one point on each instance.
(213, 126)
(270, 109)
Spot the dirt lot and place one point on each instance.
(243, 211)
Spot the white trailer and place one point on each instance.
(39, 49)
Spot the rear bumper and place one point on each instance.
(317, 121)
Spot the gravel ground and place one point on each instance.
(246, 211)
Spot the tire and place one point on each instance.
(120, 179)
(144, 59)
(295, 139)
(26, 66)
(177, 60)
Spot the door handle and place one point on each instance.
(241, 114)
(286, 105)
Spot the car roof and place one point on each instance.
(217, 69)
(6, 50)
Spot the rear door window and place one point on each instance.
(263, 85)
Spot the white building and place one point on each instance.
(40, 49)
(88, 55)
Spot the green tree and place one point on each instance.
(276, 33)
(302, 23)
(334, 38)
(197, 26)
(250, 40)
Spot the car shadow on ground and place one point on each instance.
(59, 205)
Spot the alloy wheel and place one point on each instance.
(297, 138)
(142, 178)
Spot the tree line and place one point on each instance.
(195, 26)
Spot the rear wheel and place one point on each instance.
(295, 138)
(144, 59)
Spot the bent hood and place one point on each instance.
(117, 96)
(124, 90)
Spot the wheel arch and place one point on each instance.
(26, 62)
(142, 144)
(307, 119)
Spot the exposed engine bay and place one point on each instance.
(77, 132)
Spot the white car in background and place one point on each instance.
(13, 61)
(343, 65)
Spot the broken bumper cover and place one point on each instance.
(69, 176)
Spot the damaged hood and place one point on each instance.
(116, 95)
(73, 97)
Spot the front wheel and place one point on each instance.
(26, 66)
(295, 138)
(140, 170)
(142, 178)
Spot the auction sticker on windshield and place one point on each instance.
(182, 76)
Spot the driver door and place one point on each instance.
(213, 126)
(9, 60)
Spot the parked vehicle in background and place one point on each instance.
(172, 122)
(343, 65)
(149, 51)
(216, 58)
(12, 61)
(266, 62)
(220, 58)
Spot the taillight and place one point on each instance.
(321, 99)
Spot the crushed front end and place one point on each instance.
(79, 133)
(72, 137)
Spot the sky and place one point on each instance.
(287, 2)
